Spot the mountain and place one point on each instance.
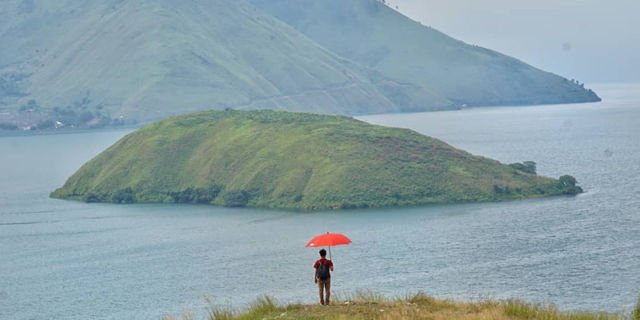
(147, 59)
(277, 159)
(92, 63)
(376, 36)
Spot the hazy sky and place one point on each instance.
(590, 40)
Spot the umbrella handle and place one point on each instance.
(330, 255)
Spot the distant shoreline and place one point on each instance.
(16, 133)
(27, 133)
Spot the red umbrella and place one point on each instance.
(328, 240)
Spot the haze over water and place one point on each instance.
(70, 260)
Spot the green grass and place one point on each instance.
(635, 315)
(297, 161)
(522, 310)
(368, 306)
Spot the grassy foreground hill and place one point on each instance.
(277, 159)
(367, 306)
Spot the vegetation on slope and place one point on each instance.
(112, 62)
(364, 306)
(378, 37)
(277, 159)
(148, 59)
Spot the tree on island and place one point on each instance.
(568, 184)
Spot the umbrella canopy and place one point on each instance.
(328, 240)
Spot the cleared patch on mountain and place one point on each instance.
(376, 36)
(277, 159)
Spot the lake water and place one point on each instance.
(70, 260)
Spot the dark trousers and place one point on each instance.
(324, 285)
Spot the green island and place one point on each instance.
(297, 161)
(368, 306)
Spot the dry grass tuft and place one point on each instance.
(635, 315)
(371, 306)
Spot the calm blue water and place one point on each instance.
(69, 260)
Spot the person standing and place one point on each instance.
(322, 276)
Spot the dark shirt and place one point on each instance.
(324, 261)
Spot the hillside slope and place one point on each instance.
(88, 63)
(378, 37)
(147, 59)
(294, 161)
